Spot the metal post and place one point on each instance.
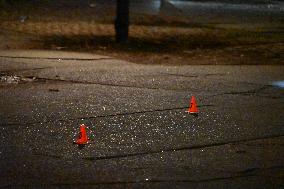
(122, 21)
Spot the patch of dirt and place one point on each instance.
(153, 39)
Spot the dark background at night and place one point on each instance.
(61, 66)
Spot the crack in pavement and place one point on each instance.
(252, 92)
(261, 145)
(255, 170)
(105, 84)
(20, 70)
(180, 148)
(102, 116)
(194, 147)
(271, 97)
(179, 75)
(143, 112)
(56, 58)
(48, 155)
(255, 92)
(41, 79)
(150, 181)
(193, 76)
(108, 115)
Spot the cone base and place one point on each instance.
(190, 112)
(195, 114)
(80, 143)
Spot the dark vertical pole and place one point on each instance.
(122, 21)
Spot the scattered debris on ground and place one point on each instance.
(10, 79)
(14, 79)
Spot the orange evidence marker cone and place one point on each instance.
(82, 139)
(193, 106)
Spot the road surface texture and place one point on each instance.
(140, 134)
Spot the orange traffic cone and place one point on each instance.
(83, 139)
(193, 106)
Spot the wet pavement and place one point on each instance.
(140, 134)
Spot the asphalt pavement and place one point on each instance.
(140, 133)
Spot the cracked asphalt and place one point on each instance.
(140, 135)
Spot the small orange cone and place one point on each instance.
(83, 139)
(193, 106)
